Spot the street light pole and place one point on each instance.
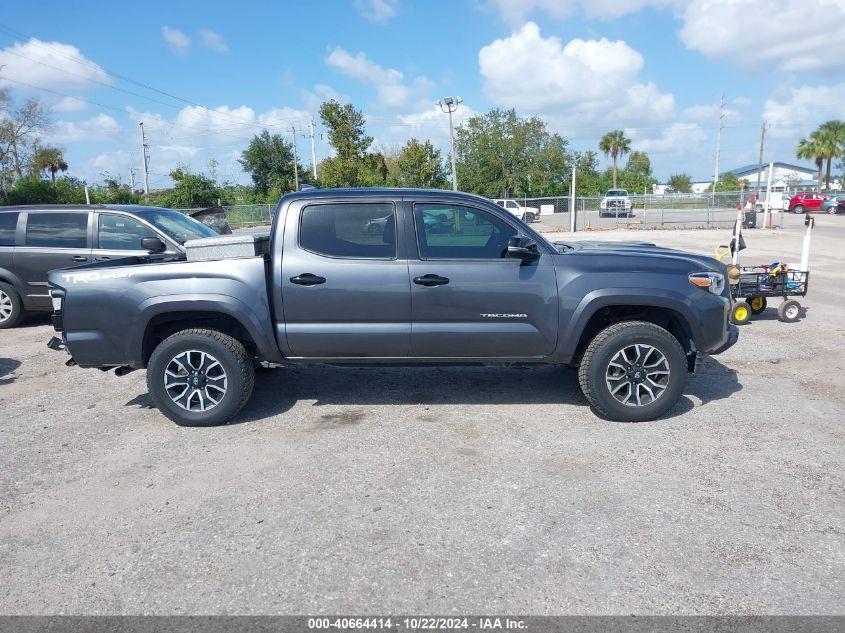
(449, 105)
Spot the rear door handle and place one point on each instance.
(307, 279)
(78, 258)
(103, 258)
(431, 280)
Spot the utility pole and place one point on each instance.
(132, 179)
(719, 141)
(145, 159)
(313, 150)
(295, 160)
(760, 161)
(449, 105)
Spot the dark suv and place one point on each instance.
(37, 239)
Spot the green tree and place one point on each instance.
(615, 144)
(680, 183)
(351, 166)
(637, 176)
(269, 161)
(811, 149)
(419, 164)
(727, 182)
(638, 163)
(831, 141)
(50, 160)
(190, 191)
(500, 154)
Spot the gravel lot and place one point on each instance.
(439, 490)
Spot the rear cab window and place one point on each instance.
(349, 230)
(57, 230)
(8, 226)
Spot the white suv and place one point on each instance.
(526, 214)
(615, 203)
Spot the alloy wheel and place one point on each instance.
(195, 380)
(6, 307)
(637, 375)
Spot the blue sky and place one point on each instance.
(209, 75)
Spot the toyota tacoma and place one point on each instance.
(451, 278)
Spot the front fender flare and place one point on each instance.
(604, 297)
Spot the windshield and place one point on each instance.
(177, 225)
(616, 192)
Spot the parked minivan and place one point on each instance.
(37, 239)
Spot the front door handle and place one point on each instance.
(78, 258)
(307, 279)
(431, 280)
(103, 258)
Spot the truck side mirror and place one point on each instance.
(524, 249)
(153, 245)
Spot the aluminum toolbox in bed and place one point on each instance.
(227, 246)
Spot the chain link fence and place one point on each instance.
(646, 212)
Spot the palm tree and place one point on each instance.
(811, 149)
(614, 144)
(832, 143)
(50, 159)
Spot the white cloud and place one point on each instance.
(581, 81)
(515, 12)
(790, 35)
(377, 10)
(796, 111)
(50, 65)
(709, 113)
(114, 163)
(98, 128)
(214, 41)
(677, 138)
(176, 40)
(741, 102)
(69, 104)
(220, 124)
(389, 83)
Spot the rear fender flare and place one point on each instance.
(260, 331)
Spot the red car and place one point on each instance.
(802, 202)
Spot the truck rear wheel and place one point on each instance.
(633, 371)
(200, 377)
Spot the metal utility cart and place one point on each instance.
(752, 286)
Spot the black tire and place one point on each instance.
(9, 298)
(529, 217)
(740, 313)
(757, 304)
(789, 311)
(227, 351)
(799, 208)
(607, 344)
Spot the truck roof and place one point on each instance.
(372, 192)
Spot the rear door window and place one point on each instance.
(121, 233)
(351, 230)
(8, 224)
(57, 230)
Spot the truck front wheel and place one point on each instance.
(633, 371)
(200, 377)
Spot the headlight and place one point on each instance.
(714, 282)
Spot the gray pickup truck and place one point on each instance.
(448, 278)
